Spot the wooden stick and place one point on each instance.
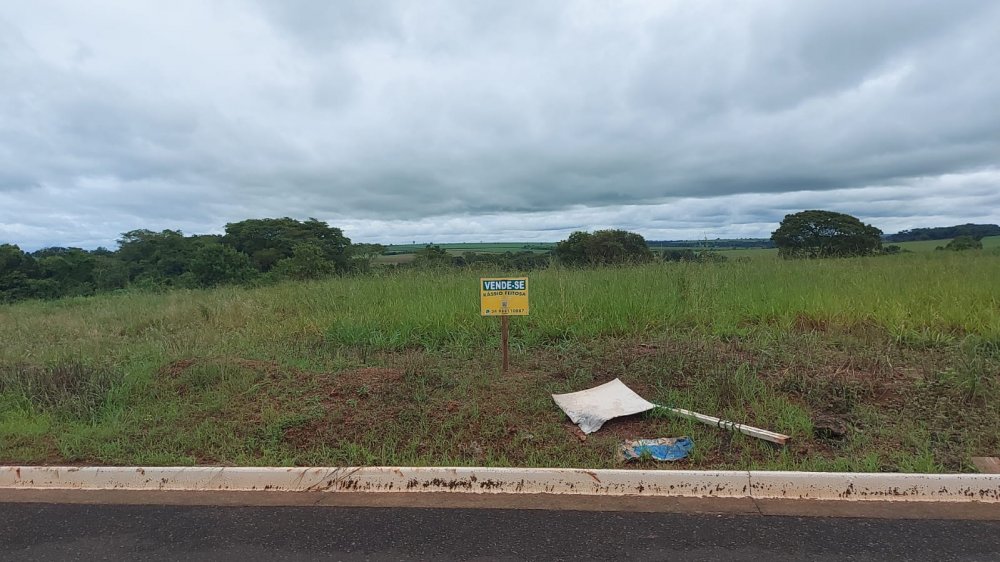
(504, 340)
(731, 426)
(989, 465)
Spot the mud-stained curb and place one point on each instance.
(982, 488)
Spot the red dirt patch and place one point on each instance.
(374, 378)
(176, 368)
(354, 401)
(804, 323)
(631, 427)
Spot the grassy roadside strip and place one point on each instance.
(401, 370)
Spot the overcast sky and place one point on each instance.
(473, 120)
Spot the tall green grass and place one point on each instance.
(912, 297)
(88, 379)
(916, 296)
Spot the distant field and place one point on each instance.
(750, 253)
(399, 369)
(919, 246)
(480, 247)
(403, 253)
(989, 243)
(393, 259)
(401, 250)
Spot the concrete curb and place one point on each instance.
(982, 488)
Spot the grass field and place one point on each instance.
(749, 253)
(989, 243)
(403, 253)
(400, 369)
(478, 247)
(393, 259)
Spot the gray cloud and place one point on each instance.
(487, 120)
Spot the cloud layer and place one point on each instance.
(448, 121)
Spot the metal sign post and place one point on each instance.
(503, 297)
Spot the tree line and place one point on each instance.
(434, 256)
(975, 231)
(717, 244)
(254, 249)
(266, 250)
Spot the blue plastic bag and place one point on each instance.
(663, 449)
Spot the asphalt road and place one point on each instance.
(34, 531)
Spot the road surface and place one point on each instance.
(43, 531)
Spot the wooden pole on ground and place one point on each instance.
(989, 465)
(764, 434)
(504, 343)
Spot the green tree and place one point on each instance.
(367, 251)
(110, 273)
(603, 247)
(157, 257)
(70, 271)
(363, 254)
(432, 256)
(269, 241)
(573, 250)
(977, 231)
(17, 271)
(216, 264)
(823, 234)
(964, 243)
(308, 261)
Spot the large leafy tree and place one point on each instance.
(307, 262)
(362, 255)
(268, 241)
(156, 256)
(110, 273)
(69, 270)
(216, 264)
(367, 251)
(603, 247)
(17, 272)
(573, 250)
(822, 234)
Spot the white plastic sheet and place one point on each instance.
(590, 408)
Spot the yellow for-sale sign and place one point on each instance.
(503, 296)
